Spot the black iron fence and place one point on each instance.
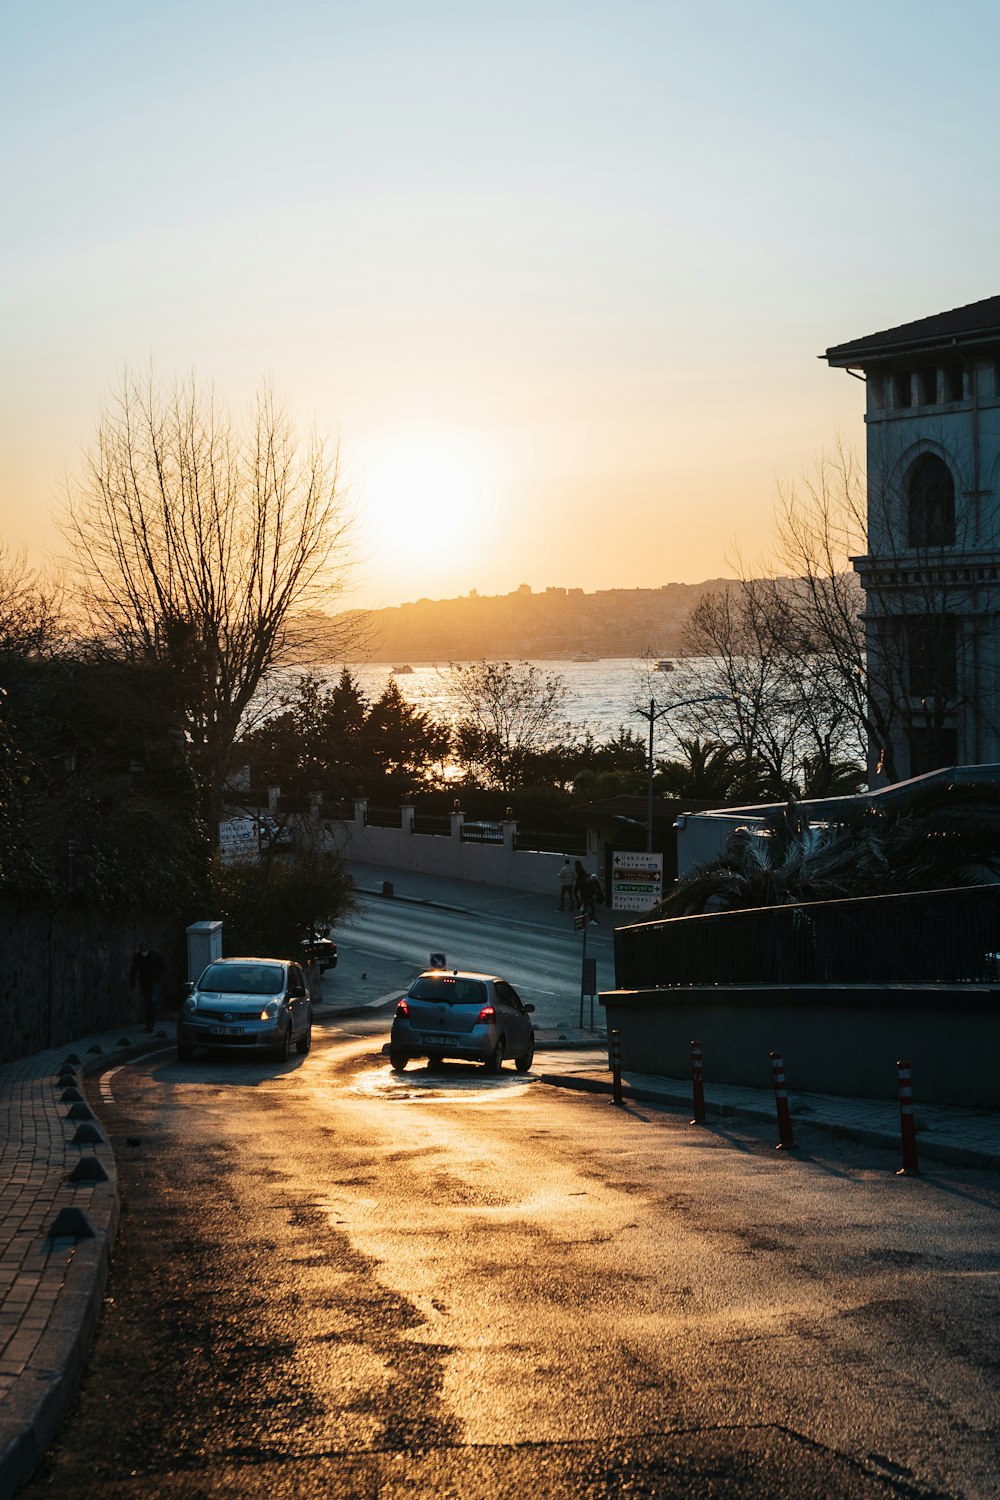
(475, 831)
(341, 811)
(434, 823)
(551, 840)
(925, 937)
(383, 817)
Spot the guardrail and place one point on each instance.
(923, 937)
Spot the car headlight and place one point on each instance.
(270, 1011)
(190, 1005)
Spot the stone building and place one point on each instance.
(931, 573)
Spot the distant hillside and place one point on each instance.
(556, 623)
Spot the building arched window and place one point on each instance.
(930, 498)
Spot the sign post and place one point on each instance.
(636, 880)
(580, 923)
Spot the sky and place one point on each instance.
(554, 276)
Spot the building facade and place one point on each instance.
(931, 571)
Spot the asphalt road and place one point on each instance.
(331, 1281)
(390, 941)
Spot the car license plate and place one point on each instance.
(433, 1040)
(226, 1031)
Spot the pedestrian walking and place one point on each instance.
(147, 972)
(592, 894)
(567, 880)
(579, 885)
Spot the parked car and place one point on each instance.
(254, 1004)
(320, 949)
(271, 833)
(454, 1013)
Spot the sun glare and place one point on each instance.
(423, 495)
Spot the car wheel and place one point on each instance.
(398, 1061)
(185, 1052)
(304, 1042)
(495, 1061)
(523, 1063)
(283, 1049)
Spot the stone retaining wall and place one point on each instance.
(65, 974)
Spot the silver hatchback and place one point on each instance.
(453, 1013)
(252, 1004)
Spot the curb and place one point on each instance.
(955, 1156)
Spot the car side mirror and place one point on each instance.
(529, 1008)
(189, 987)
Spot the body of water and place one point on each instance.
(602, 695)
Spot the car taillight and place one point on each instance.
(402, 1009)
(487, 1014)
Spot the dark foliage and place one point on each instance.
(272, 908)
(333, 741)
(97, 804)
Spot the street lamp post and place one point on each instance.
(652, 713)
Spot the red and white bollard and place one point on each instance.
(697, 1084)
(615, 1055)
(907, 1122)
(785, 1137)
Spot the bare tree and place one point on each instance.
(202, 542)
(504, 712)
(30, 606)
(902, 654)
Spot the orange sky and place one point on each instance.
(555, 276)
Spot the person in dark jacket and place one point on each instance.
(592, 894)
(579, 886)
(147, 972)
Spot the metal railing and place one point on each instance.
(476, 832)
(551, 840)
(383, 817)
(433, 823)
(925, 937)
(340, 810)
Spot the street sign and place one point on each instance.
(437, 960)
(238, 840)
(636, 880)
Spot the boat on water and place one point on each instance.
(403, 669)
(665, 665)
(586, 656)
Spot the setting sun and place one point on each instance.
(426, 496)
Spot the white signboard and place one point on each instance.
(238, 840)
(636, 880)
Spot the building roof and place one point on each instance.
(978, 322)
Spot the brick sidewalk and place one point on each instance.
(51, 1286)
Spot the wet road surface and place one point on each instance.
(332, 1281)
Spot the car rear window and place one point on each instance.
(452, 991)
(243, 979)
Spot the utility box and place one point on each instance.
(204, 945)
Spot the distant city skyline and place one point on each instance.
(555, 277)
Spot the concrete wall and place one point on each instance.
(834, 1039)
(448, 855)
